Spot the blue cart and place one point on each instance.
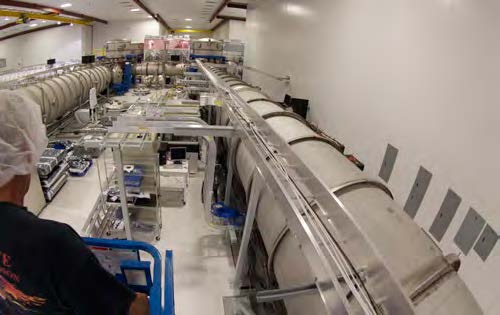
(122, 259)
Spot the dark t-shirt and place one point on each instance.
(45, 268)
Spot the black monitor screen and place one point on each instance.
(300, 106)
(175, 58)
(51, 61)
(177, 154)
(288, 100)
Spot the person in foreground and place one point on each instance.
(45, 267)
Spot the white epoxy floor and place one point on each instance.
(203, 267)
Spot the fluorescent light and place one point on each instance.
(71, 24)
(150, 17)
(135, 10)
(188, 19)
(189, 27)
(66, 5)
(58, 23)
(33, 25)
(44, 21)
(6, 19)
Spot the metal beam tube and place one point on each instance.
(242, 263)
(281, 294)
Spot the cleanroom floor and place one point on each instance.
(203, 266)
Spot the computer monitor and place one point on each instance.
(300, 106)
(175, 58)
(288, 100)
(177, 154)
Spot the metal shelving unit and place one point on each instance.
(123, 211)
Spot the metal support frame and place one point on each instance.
(242, 262)
(230, 169)
(176, 128)
(281, 294)
(337, 145)
(361, 182)
(117, 157)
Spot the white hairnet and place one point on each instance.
(22, 135)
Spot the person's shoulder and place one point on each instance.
(57, 229)
(52, 231)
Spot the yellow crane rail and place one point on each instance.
(40, 16)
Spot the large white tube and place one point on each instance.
(61, 94)
(412, 256)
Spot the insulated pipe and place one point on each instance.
(61, 94)
(412, 256)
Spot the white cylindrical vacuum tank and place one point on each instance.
(411, 255)
(61, 94)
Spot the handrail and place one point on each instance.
(286, 78)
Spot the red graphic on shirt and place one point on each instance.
(12, 300)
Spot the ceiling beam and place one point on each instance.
(155, 16)
(40, 16)
(218, 25)
(237, 5)
(33, 31)
(163, 22)
(36, 6)
(227, 17)
(221, 7)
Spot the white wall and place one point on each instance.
(63, 43)
(422, 75)
(231, 30)
(237, 30)
(133, 30)
(222, 33)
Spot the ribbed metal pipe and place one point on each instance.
(61, 94)
(412, 256)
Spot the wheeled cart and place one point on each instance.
(130, 263)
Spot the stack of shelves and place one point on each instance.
(53, 172)
(129, 206)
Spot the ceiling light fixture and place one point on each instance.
(66, 5)
(189, 27)
(33, 25)
(6, 19)
(58, 23)
(150, 17)
(134, 10)
(188, 19)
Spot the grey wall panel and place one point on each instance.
(418, 191)
(469, 231)
(486, 242)
(391, 153)
(445, 215)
